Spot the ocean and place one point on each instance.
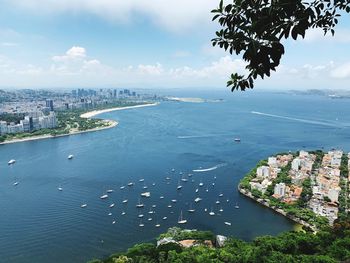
(40, 224)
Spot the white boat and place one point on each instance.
(83, 205)
(184, 179)
(153, 184)
(198, 199)
(71, 156)
(236, 206)
(111, 205)
(201, 184)
(12, 161)
(167, 178)
(165, 218)
(109, 214)
(60, 189)
(179, 187)
(123, 213)
(154, 206)
(145, 187)
(104, 196)
(205, 210)
(139, 205)
(189, 175)
(174, 200)
(140, 215)
(150, 211)
(113, 222)
(213, 184)
(149, 219)
(207, 190)
(227, 223)
(170, 206)
(110, 191)
(122, 187)
(161, 197)
(227, 200)
(157, 225)
(181, 220)
(146, 194)
(141, 224)
(15, 183)
(221, 210)
(142, 180)
(221, 195)
(237, 139)
(125, 201)
(173, 170)
(130, 184)
(197, 190)
(211, 213)
(191, 210)
(217, 202)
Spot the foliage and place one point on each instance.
(258, 28)
(179, 234)
(327, 246)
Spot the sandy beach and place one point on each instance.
(91, 114)
(111, 124)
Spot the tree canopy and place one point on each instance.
(257, 28)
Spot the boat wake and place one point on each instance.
(209, 169)
(323, 123)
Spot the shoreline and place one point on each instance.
(93, 113)
(279, 211)
(86, 115)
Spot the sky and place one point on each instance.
(147, 44)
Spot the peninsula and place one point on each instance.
(311, 188)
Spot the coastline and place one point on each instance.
(86, 115)
(279, 211)
(91, 114)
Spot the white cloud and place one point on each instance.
(150, 69)
(341, 72)
(174, 15)
(9, 44)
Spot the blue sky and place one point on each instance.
(145, 43)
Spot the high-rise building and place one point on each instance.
(49, 104)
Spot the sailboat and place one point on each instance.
(227, 223)
(142, 180)
(110, 191)
(201, 183)
(221, 210)
(191, 210)
(139, 205)
(181, 220)
(12, 161)
(104, 196)
(236, 206)
(59, 188)
(112, 205)
(123, 213)
(83, 205)
(125, 201)
(130, 184)
(141, 224)
(157, 225)
(198, 199)
(70, 157)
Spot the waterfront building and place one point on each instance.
(263, 171)
(280, 190)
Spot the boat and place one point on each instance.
(236, 206)
(227, 200)
(191, 210)
(179, 186)
(149, 219)
(109, 213)
(83, 205)
(211, 213)
(142, 180)
(141, 224)
(140, 215)
(221, 195)
(104, 196)
(161, 197)
(201, 184)
(12, 161)
(123, 213)
(184, 179)
(110, 191)
(173, 170)
(227, 223)
(153, 184)
(207, 190)
(111, 205)
(174, 200)
(60, 189)
(197, 190)
(198, 199)
(170, 206)
(154, 206)
(189, 175)
(70, 157)
(213, 184)
(181, 220)
(15, 183)
(237, 139)
(217, 202)
(167, 178)
(130, 184)
(221, 210)
(157, 225)
(139, 205)
(125, 201)
(205, 210)
(165, 218)
(150, 211)
(146, 194)
(122, 187)
(113, 222)
(144, 187)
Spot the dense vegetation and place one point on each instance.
(327, 246)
